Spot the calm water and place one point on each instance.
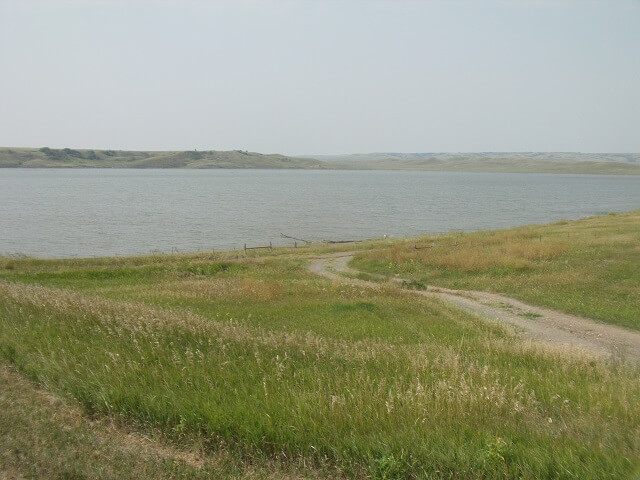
(68, 213)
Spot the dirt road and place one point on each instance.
(537, 323)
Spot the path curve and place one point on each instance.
(536, 323)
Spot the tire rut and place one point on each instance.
(534, 322)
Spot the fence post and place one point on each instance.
(295, 244)
(245, 248)
(270, 246)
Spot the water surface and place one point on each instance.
(96, 212)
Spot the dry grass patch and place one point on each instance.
(588, 267)
(470, 256)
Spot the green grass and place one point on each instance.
(257, 357)
(43, 436)
(588, 267)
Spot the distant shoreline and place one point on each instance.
(530, 162)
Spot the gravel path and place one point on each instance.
(537, 323)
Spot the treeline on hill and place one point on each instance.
(67, 157)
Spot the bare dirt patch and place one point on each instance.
(535, 323)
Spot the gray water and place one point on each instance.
(96, 212)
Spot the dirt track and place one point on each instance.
(537, 323)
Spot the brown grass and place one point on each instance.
(471, 254)
(230, 289)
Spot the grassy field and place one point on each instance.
(588, 267)
(44, 436)
(263, 369)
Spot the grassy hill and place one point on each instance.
(70, 158)
(528, 162)
(233, 365)
(606, 163)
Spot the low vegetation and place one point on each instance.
(44, 436)
(259, 366)
(588, 267)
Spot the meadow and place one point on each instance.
(588, 267)
(250, 366)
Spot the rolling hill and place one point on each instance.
(69, 158)
(518, 162)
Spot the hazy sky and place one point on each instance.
(304, 77)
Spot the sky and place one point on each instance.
(321, 76)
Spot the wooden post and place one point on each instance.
(245, 248)
(295, 244)
(270, 246)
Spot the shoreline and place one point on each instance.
(320, 246)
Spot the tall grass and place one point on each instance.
(265, 359)
(589, 267)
